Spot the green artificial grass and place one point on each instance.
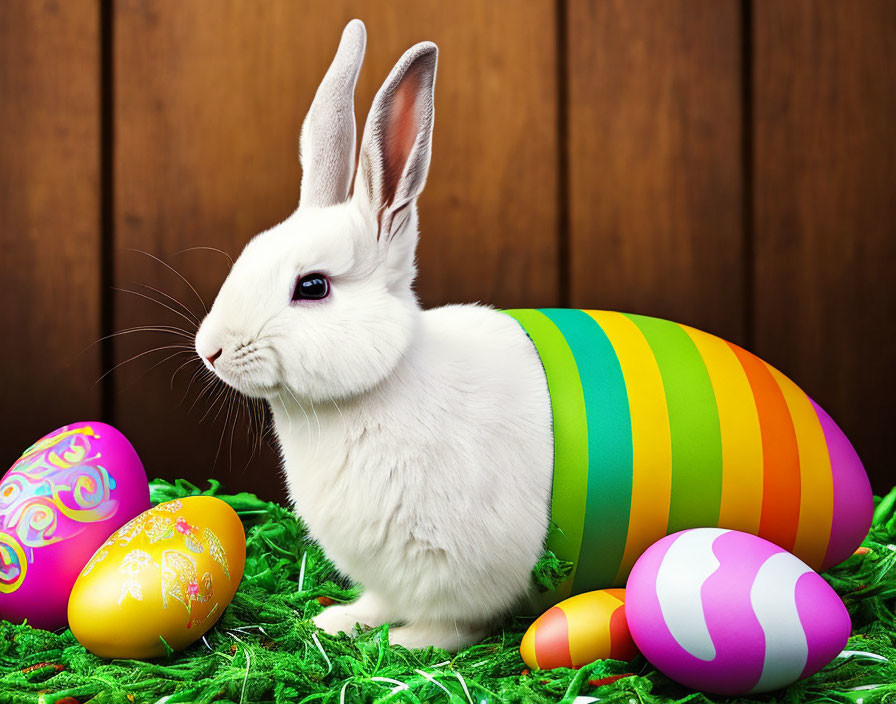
(265, 648)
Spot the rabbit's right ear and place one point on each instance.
(397, 143)
(327, 144)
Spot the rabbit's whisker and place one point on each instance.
(217, 400)
(228, 403)
(225, 404)
(176, 272)
(253, 428)
(244, 409)
(231, 418)
(210, 384)
(166, 330)
(152, 328)
(198, 372)
(261, 415)
(210, 249)
(156, 301)
(283, 401)
(210, 392)
(140, 328)
(248, 461)
(307, 419)
(319, 429)
(141, 354)
(344, 422)
(169, 357)
(192, 360)
(236, 409)
(223, 430)
(263, 423)
(218, 397)
(173, 299)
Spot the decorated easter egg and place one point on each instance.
(579, 630)
(58, 503)
(727, 612)
(163, 578)
(659, 427)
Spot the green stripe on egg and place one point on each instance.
(609, 443)
(570, 483)
(693, 422)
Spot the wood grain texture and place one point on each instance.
(209, 100)
(825, 210)
(655, 138)
(49, 218)
(489, 212)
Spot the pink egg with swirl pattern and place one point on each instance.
(58, 503)
(731, 613)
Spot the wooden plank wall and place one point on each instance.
(825, 210)
(655, 134)
(49, 217)
(724, 163)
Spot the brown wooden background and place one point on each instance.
(725, 163)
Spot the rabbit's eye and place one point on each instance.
(311, 287)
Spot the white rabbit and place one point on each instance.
(417, 445)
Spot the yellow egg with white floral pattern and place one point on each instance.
(162, 579)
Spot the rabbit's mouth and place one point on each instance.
(249, 387)
(247, 369)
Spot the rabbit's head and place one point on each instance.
(321, 305)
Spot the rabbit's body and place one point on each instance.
(417, 445)
(432, 490)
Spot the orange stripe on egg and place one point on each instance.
(781, 462)
(622, 647)
(552, 640)
(741, 436)
(816, 481)
(652, 446)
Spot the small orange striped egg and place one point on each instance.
(580, 630)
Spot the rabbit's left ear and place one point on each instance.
(327, 145)
(397, 142)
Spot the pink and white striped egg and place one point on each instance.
(730, 613)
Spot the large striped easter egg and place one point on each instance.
(726, 612)
(579, 630)
(660, 427)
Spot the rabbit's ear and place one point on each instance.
(327, 144)
(397, 140)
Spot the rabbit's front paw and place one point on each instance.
(336, 619)
(368, 610)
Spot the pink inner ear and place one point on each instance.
(401, 132)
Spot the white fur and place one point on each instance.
(417, 445)
(327, 143)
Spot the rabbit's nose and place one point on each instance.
(211, 359)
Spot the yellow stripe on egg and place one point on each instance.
(742, 462)
(587, 608)
(527, 648)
